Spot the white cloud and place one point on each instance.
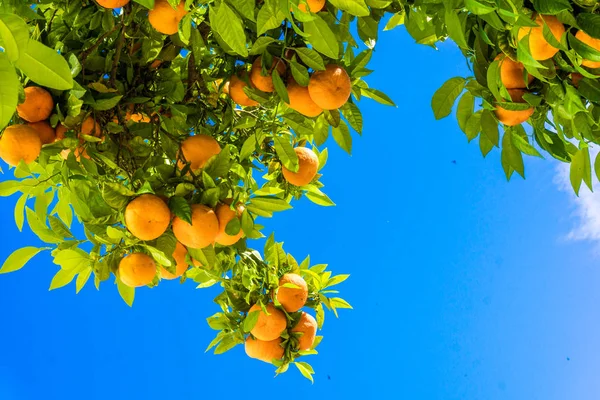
(586, 211)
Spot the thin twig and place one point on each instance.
(87, 52)
(113, 72)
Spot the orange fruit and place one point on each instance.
(155, 64)
(265, 82)
(112, 3)
(237, 94)
(147, 217)
(224, 215)
(79, 152)
(592, 42)
(314, 6)
(307, 170)
(37, 106)
(181, 265)
(300, 100)
(330, 89)
(137, 269)
(20, 143)
(292, 299)
(198, 149)
(269, 326)
(203, 230)
(308, 326)
(510, 117)
(512, 73)
(266, 351)
(89, 126)
(538, 46)
(165, 18)
(60, 131)
(45, 131)
(576, 78)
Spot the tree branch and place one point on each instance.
(115, 65)
(87, 52)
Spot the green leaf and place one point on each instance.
(336, 302)
(489, 127)
(396, 20)
(261, 44)
(14, 35)
(580, 170)
(478, 8)
(107, 103)
(229, 26)
(250, 321)
(280, 86)
(590, 89)
(584, 50)
(311, 58)
(245, 8)
(8, 188)
(61, 279)
(443, 100)
(378, 96)
(353, 115)
(72, 259)
(354, 7)
(285, 152)
(551, 7)
(300, 73)
(19, 258)
(181, 208)
(305, 371)
(9, 90)
(341, 135)
(511, 157)
(45, 66)
(159, 257)
(127, 293)
(20, 211)
(589, 23)
(322, 37)
(455, 28)
(464, 111)
(270, 203)
(40, 229)
(320, 198)
(82, 279)
(149, 4)
(59, 227)
(269, 16)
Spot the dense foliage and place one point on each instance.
(215, 112)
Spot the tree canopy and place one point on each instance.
(168, 129)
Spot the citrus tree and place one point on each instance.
(168, 129)
(164, 131)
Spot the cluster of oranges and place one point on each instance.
(164, 18)
(328, 89)
(512, 72)
(265, 342)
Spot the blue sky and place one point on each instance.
(464, 286)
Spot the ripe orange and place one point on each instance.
(314, 6)
(37, 106)
(224, 215)
(308, 167)
(45, 131)
(90, 127)
(292, 299)
(237, 94)
(164, 18)
(265, 82)
(147, 217)
(198, 149)
(137, 269)
(181, 266)
(266, 351)
(308, 326)
(592, 42)
(269, 326)
(60, 131)
(512, 73)
(330, 89)
(538, 46)
(112, 3)
(203, 230)
(79, 152)
(20, 143)
(300, 100)
(512, 118)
